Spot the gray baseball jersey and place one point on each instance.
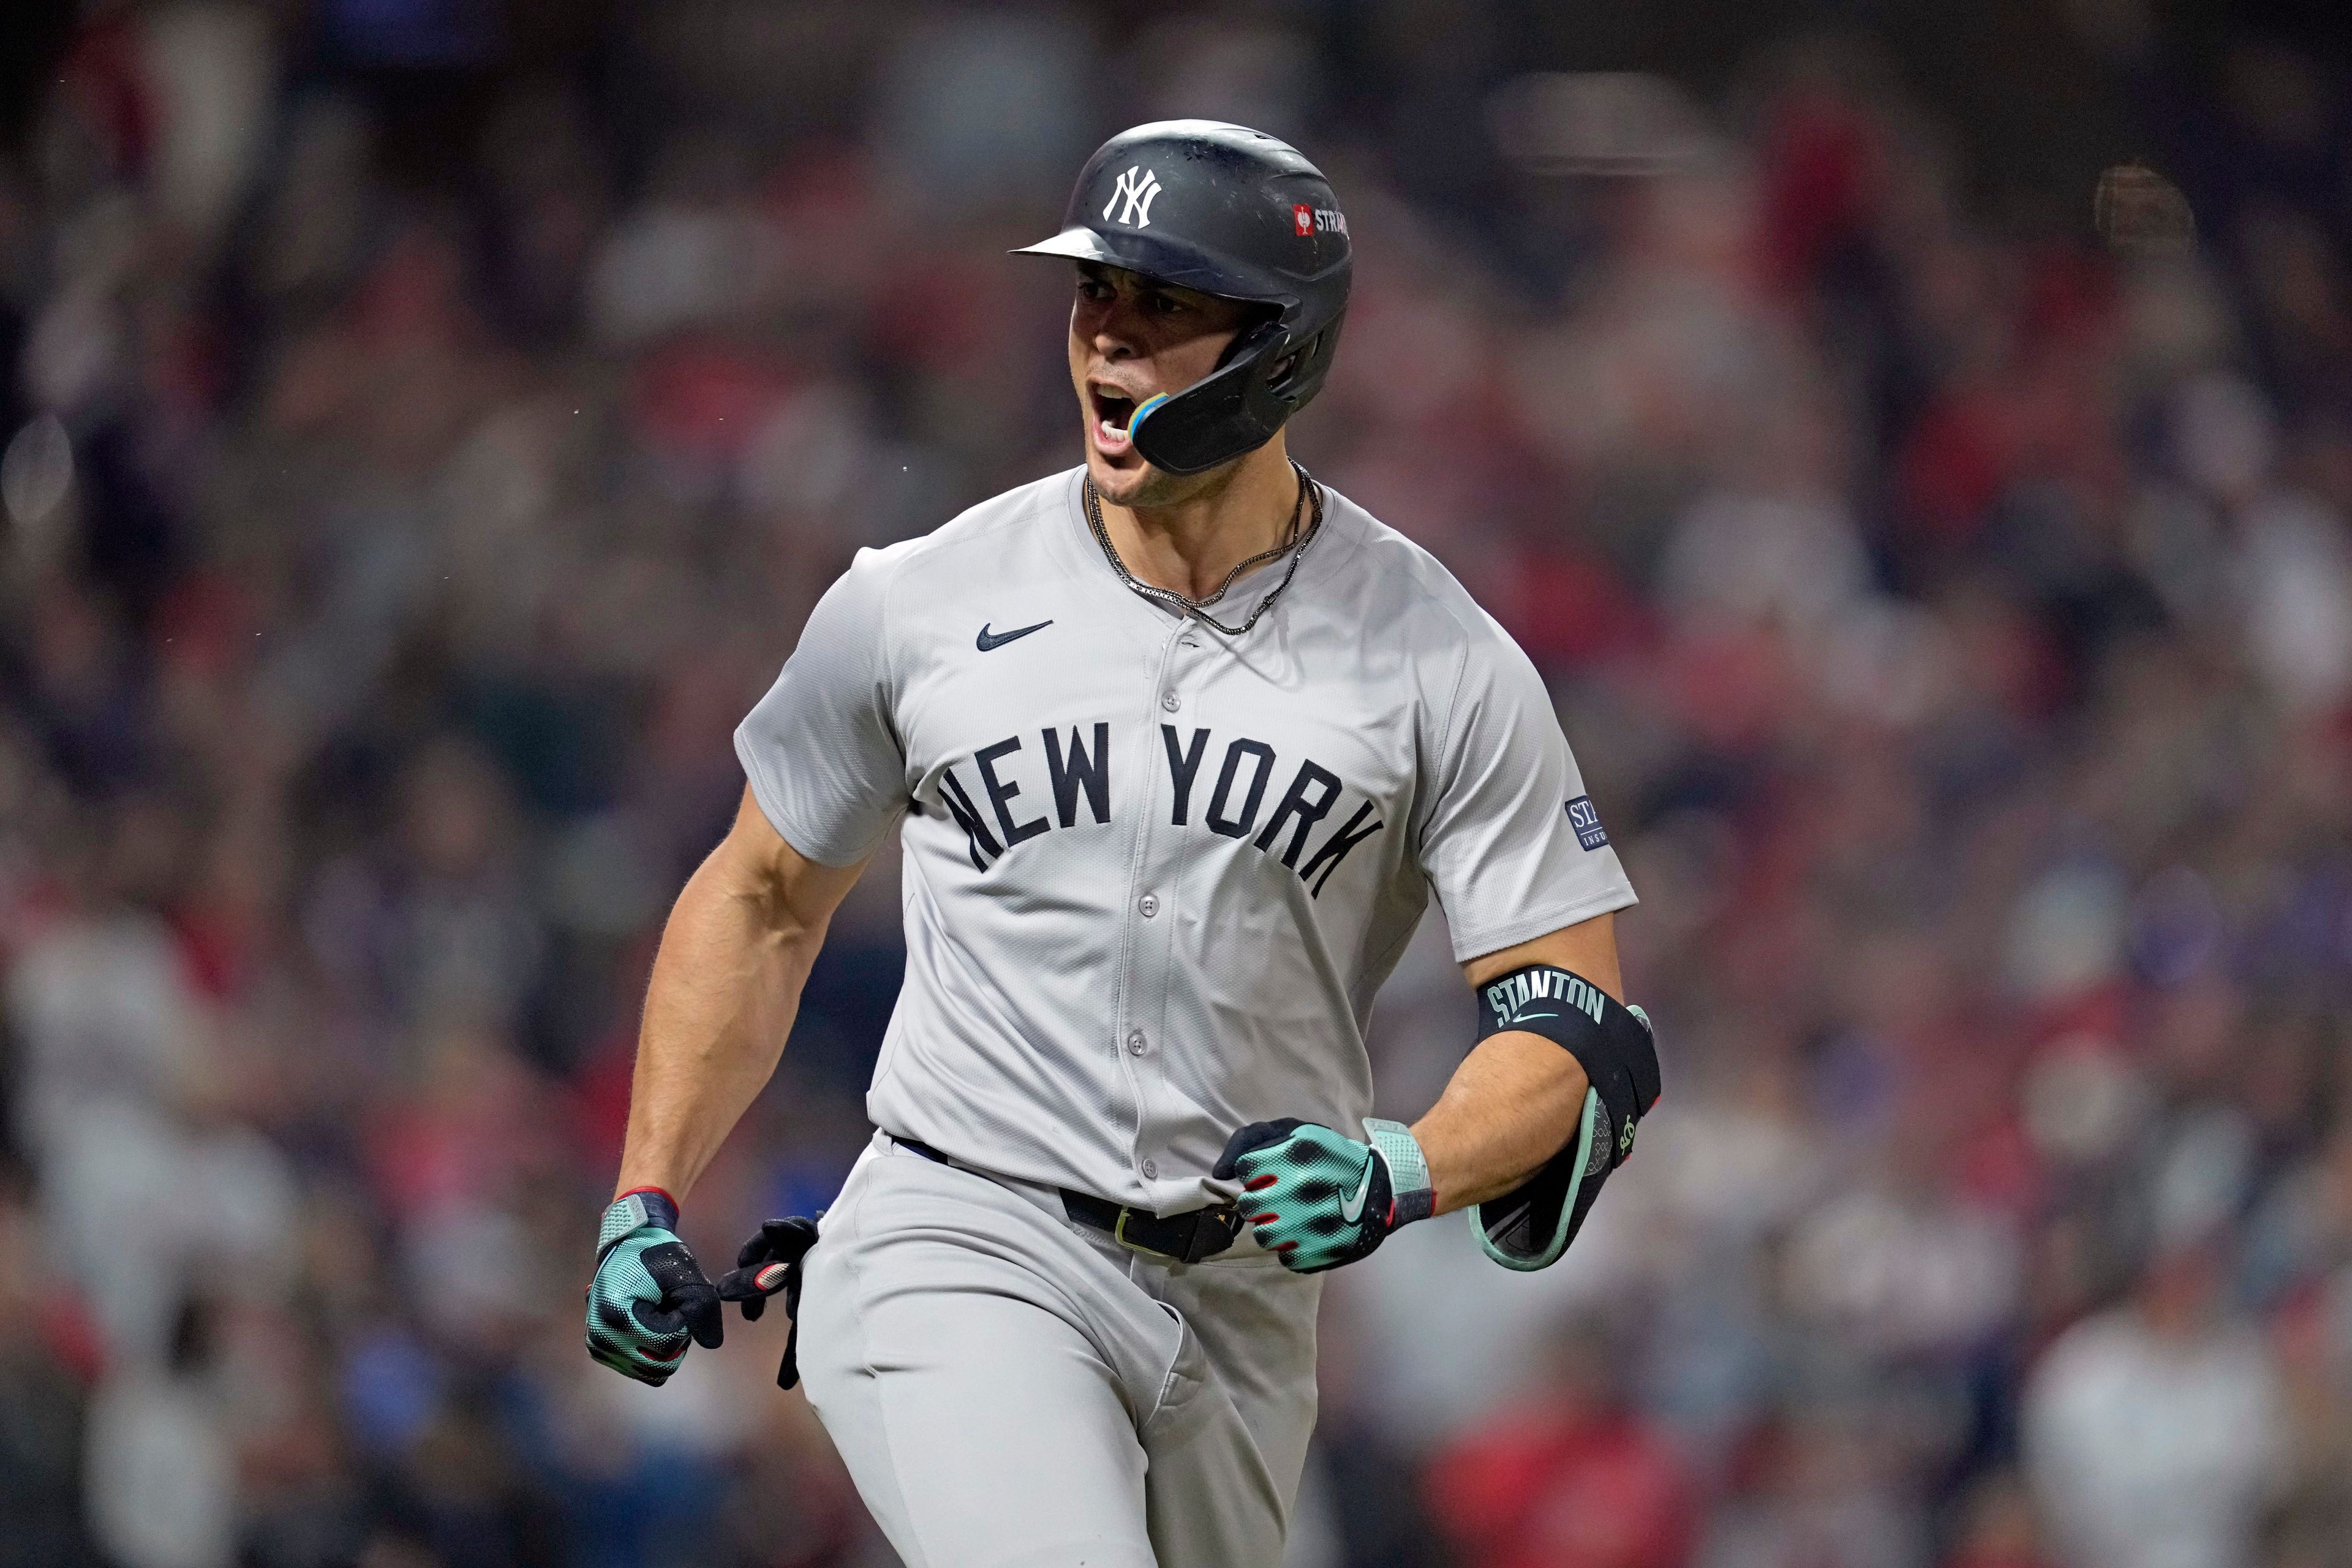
(1155, 875)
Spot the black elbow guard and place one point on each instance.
(1531, 1225)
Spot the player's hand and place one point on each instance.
(767, 1265)
(1319, 1199)
(650, 1295)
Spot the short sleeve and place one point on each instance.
(820, 749)
(1511, 844)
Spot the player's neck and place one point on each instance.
(1190, 545)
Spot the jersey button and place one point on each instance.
(1150, 1169)
(1171, 701)
(1136, 1043)
(1148, 905)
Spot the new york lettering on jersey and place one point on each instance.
(1078, 769)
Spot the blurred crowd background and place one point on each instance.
(427, 421)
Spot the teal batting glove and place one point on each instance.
(1319, 1199)
(648, 1294)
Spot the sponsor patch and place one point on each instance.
(1587, 823)
(1304, 216)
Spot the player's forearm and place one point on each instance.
(726, 985)
(1511, 1106)
(1517, 1099)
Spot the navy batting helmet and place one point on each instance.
(1232, 211)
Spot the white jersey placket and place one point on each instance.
(1149, 909)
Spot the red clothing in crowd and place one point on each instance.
(1580, 1491)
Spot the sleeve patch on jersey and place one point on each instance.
(1587, 823)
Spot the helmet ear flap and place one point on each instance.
(1252, 332)
(1230, 412)
(1263, 378)
(1297, 375)
(1283, 379)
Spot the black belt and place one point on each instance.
(1188, 1237)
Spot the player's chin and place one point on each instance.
(1121, 478)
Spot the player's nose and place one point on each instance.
(1116, 335)
(1113, 344)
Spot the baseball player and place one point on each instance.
(1178, 744)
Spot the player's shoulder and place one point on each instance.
(1395, 583)
(897, 589)
(975, 538)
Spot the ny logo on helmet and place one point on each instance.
(1136, 189)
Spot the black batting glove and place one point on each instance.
(770, 1265)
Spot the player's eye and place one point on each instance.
(1164, 304)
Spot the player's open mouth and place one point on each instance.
(1112, 410)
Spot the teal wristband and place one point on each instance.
(1411, 1196)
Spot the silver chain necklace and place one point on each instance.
(1292, 541)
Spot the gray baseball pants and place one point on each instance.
(1011, 1390)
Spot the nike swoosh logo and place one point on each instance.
(1351, 1207)
(998, 639)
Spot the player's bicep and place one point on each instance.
(821, 749)
(1588, 947)
(790, 894)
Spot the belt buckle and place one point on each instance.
(1217, 1218)
(1118, 1232)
